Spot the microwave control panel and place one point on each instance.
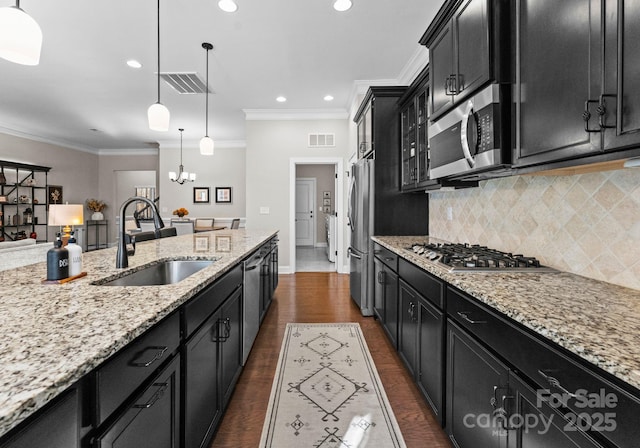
(487, 128)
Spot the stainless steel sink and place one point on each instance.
(166, 272)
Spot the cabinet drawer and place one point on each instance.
(198, 309)
(425, 283)
(561, 379)
(386, 256)
(129, 368)
(151, 418)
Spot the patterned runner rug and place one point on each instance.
(327, 393)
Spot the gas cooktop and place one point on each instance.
(458, 257)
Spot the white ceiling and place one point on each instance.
(302, 49)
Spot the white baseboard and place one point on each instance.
(321, 245)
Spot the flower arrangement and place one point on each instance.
(181, 212)
(96, 205)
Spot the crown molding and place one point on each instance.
(129, 152)
(414, 66)
(51, 141)
(295, 114)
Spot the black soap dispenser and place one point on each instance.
(57, 261)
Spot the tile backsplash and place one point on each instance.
(588, 224)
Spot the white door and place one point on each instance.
(305, 212)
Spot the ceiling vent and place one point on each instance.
(185, 83)
(322, 140)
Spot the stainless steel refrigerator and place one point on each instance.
(360, 220)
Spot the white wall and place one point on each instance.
(226, 168)
(271, 144)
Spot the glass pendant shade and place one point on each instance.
(20, 36)
(158, 115)
(173, 176)
(342, 5)
(228, 5)
(206, 146)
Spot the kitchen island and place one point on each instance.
(546, 333)
(51, 336)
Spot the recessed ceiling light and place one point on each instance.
(134, 64)
(228, 5)
(342, 5)
(281, 99)
(328, 98)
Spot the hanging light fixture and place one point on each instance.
(20, 36)
(206, 142)
(158, 113)
(182, 176)
(342, 5)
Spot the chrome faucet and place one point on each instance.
(122, 256)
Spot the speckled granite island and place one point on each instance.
(593, 321)
(52, 335)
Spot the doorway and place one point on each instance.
(316, 185)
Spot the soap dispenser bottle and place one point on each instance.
(57, 261)
(75, 256)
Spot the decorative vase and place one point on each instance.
(97, 216)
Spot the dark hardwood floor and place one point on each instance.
(321, 297)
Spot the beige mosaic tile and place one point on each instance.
(587, 224)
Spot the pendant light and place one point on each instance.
(20, 36)
(158, 113)
(342, 5)
(182, 176)
(206, 142)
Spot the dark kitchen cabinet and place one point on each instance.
(421, 344)
(542, 425)
(431, 355)
(365, 132)
(385, 304)
(152, 418)
(408, 326)
(388, 202)
(202, 402)
(57, 426)
(415, 142)
(621, 92)
(464, 50)
(231, 344)
(212, 358)
(558, 66)
(476, 382)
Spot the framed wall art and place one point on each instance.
(54, 194)
(223, 195)
(201, 195)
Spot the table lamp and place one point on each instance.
(65, 216)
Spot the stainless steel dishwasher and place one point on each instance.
(251, 302)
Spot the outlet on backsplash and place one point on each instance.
(449, 213)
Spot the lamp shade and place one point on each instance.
(158, 115)
(20, 36)
(206, 146)
(66, 214)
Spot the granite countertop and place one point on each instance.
(598, 321)
(52, 335)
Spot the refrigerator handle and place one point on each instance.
(351, 207)
(351, 253)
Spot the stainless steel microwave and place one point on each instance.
(473, 137)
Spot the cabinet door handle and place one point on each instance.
(602, 111)
(465, 316)
(155, 397)
(226, 330)
(554, 382)
(159, 352)
(586, 116)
